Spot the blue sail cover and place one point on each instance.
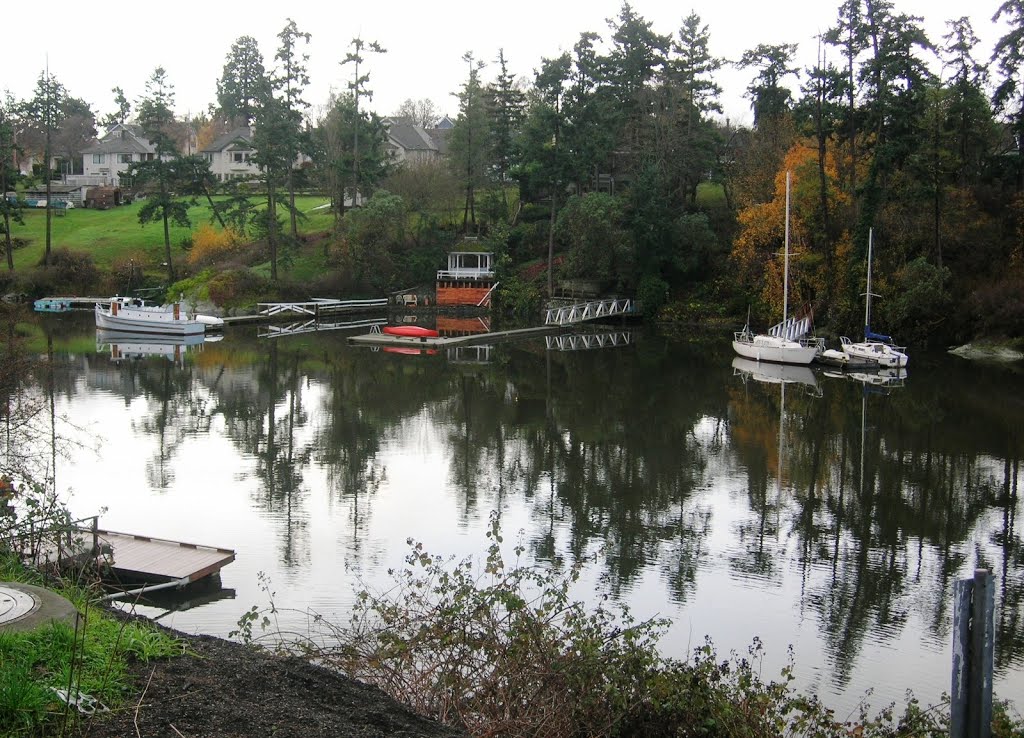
(869, 336)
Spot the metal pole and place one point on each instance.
(785, 275)
(973, 656)
(982, 653)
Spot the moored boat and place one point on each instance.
(876, 349)
(52, 305)
(133, 315)
(786, 342)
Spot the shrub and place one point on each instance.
(210, 245)
(497, 649)
(652, 294)
(69, 272)
(237, 288)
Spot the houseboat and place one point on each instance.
(468, 280)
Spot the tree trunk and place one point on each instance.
(49, 204)
(551, 242)
(272, 228)
(291, 204)
(167, 246)
(8, 246)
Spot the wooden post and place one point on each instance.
(973, 656)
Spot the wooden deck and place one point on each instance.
(144, 559)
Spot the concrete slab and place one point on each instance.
(25, 607)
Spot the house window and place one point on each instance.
(97, 158)
(208, 157)
(238, 157)
(149, 157)
(124, 158)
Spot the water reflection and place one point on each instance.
(854, 502)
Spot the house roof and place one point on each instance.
(239, 135)
(411, 138)
(123, 138)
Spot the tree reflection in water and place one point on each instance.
(862, 507)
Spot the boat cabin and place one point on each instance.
(468, 280)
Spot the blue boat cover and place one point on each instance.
(869, 336)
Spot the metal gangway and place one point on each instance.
(319, 306)
(586, 341)
(582, 311)
(314, 325)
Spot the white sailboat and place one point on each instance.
(876, 349)
(785, 343)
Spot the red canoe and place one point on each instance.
(412, 331)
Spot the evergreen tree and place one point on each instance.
(289, 82)
(770, 99)
(161, 175)
(545, 161)
(1008, 98)
(507, 110)
(467, 146)
(243, 85)
(359, 88)
(44, 113)
(10, 209)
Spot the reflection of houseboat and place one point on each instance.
(468, 280)
(448, 325)
(125, 345)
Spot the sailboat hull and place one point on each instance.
(777, 350)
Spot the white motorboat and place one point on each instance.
(785, 343)
(876, 349)
(135, 316)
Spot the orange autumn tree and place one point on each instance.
(757, 250)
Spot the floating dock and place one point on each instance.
(432, 342)
(135, 558)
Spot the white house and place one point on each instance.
(123, 144)
(230, 156)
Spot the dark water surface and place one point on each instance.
(826, 513)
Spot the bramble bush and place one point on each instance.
(499, 648)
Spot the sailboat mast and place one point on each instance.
(785, 271)
(867, 296)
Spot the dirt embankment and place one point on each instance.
(222, 689)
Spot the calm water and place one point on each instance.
(826, 513)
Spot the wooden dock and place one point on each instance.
(135, 558)
(428, 342)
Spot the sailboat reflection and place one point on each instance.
(771, 373)
(882, 378)
(127, 345)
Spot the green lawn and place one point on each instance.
(109, 234)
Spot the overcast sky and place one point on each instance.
(92, 47)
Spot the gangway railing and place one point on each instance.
(580, 312)
(586, 341)
(319, 306)
(316, 326)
